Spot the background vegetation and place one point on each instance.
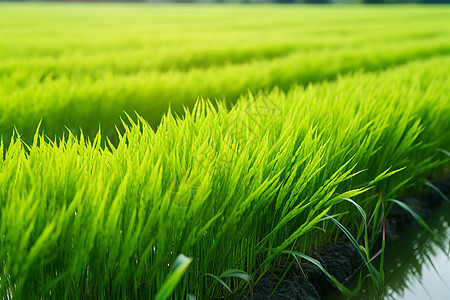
(78, 66)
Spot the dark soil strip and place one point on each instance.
(341, 259)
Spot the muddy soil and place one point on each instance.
(341, 259)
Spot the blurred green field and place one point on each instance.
(316, 107)
(80, 65)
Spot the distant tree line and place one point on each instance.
(266, 1)
(405, 1)
(363, 1)
(345, 1)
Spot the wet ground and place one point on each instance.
(417, 265)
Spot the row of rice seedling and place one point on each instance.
(230, 188)
(53, 30)
(137, 59)
(85, 102)
(164, 56)
(167, 57)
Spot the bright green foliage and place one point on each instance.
(221, 186)
(208, 203)
(80, 66)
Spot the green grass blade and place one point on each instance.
(413, 214)
(179, 267)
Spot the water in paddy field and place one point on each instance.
(417, 266)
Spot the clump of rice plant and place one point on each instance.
(232, 189)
